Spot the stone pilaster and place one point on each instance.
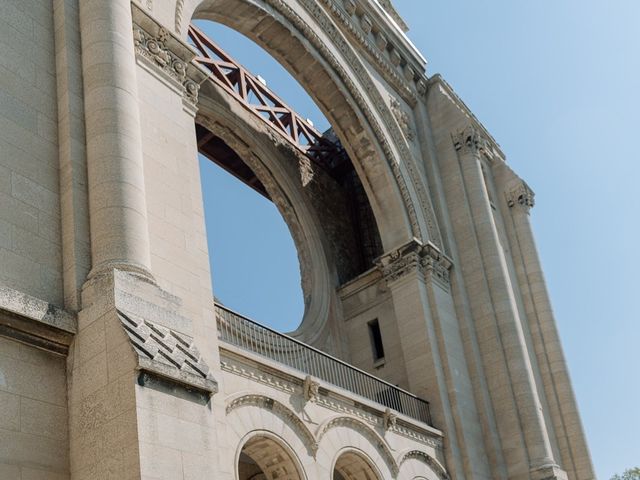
(118, 211)
(564, 414)
(418, 277)
(500, 328)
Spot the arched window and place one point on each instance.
(263, 458)
(353, 466)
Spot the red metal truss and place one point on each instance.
(253, 94)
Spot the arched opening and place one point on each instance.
(264, 458)
(353, 466)
(307, 174)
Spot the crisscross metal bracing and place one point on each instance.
(250, 90)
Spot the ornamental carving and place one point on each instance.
(416, 257)
(389, 419)
(289, 417)
(426, 459)
(311, 389)
(403, 118)
(158, 49)
(470, 141)
(364, 429)
(521, 196)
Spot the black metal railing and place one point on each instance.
(242, 332)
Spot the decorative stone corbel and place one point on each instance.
(366, 24)
(381, 41)
(350, 6)
(521, 196)
(389, 419)
(311, 389)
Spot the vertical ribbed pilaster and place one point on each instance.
(563, 408)
(508, 324)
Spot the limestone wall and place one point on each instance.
(33, 414)
(30, 245)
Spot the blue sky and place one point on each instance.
(557, 84)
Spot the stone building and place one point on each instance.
(428, 348)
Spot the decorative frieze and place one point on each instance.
(416, 257)
(168, 354)
(166, 56)
(522, 196)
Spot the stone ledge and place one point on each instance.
(35, 322)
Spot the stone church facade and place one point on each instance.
(428, 348)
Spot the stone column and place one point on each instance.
(119, 236)
(555, 374)
(470, 145)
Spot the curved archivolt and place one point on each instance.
(353, 465)
(263, 457)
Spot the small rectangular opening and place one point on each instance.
(376, 340)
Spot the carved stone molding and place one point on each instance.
(364, 429)
(470, 141)
(383, 53)
(164, 54)
(426, 459)
(521, 196)
(415, 257)
(280, 410)
(168, 354)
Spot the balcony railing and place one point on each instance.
(242, 332)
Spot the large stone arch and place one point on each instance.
(254, 142)
(327, 67)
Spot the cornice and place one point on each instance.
(35, 322)
(372, 31)
(238, 362)
(414, 257)
(166, 56)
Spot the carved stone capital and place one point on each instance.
(470, 141)
(521, 196)
(415, 257)
(166, 56)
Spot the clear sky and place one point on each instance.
(558, 85)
